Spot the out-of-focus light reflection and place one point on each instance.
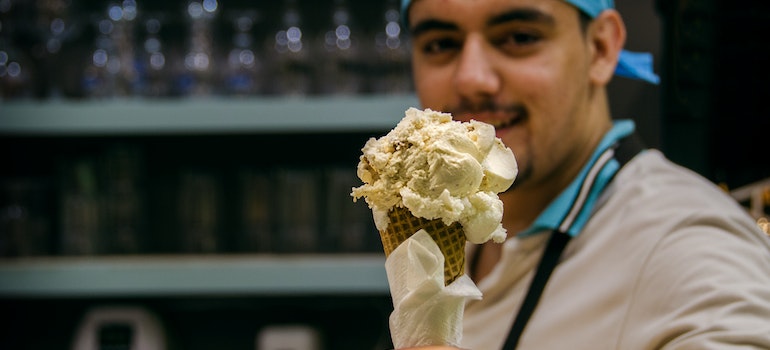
(195, 10)
(115, 13)
(57, 26)
(157, 60)
(100, 58)
(14, 69)
(764, 225)
(105, 27)
(392, 29)
(152, 45)
(197, 61)
(210, 5)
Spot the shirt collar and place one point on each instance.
(570, 211)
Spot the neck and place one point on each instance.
(524, 203)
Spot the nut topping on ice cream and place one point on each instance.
(438, 168)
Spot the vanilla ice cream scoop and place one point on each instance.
(439, 168)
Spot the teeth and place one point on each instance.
(498, 123)
(501, 123)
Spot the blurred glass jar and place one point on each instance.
(25, 212)
(290, 57)
(122, 200)
(390, 72)
(244, 68)
(199, 210)
(340, 64)
(153, 69)
(80, 207)
(199, 74)
(17, 69)
(298, 210)
(16, 73)
(112, 68)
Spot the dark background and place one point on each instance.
(710, 112)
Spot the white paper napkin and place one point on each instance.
(425, 311)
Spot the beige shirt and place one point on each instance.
(667, 261)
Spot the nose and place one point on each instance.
(475, 77)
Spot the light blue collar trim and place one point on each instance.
(556, 212)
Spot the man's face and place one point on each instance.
(520, 65)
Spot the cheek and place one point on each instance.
(542, 78)
(548, 86)
(548, 96)
(430, 85)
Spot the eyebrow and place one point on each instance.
(431, 24)
(519, 14)
(522, 14)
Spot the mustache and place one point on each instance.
(487, 106)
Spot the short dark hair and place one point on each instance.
(584, 20)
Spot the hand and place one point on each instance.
(425, 311)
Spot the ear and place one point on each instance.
(606, 36)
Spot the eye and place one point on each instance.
(440, 46)
(518, 41)
(523, 39)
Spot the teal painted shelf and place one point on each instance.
(194, 275)
(180, 275)
(208, 116)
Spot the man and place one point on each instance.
(640, 253)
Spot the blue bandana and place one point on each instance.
(634, 65)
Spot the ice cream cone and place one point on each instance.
(450, 239)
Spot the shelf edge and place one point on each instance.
(192, 275)
(210, 115)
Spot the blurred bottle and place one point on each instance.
(199, 74)
(390, 72)
(340, 70)
(123, 219)
(244, 69)
(16, 73)
(17, 70)
(298, 210)
(24, 217)
(257, 233)
(200, 214)
(290, 55)
(153, 68)
(112, 70)
(98, 77)
(349, 227)
(55, 27)
(80, 226)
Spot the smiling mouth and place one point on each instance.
(500, 124)
(503, 119)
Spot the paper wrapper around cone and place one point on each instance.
(450, 239)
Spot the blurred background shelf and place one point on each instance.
(197, 116)
(193, 275)
(194, 159)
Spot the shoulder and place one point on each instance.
(700, 253)
(678, 226)
(651, 182)
(667, 201)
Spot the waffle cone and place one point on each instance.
(450, 239)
